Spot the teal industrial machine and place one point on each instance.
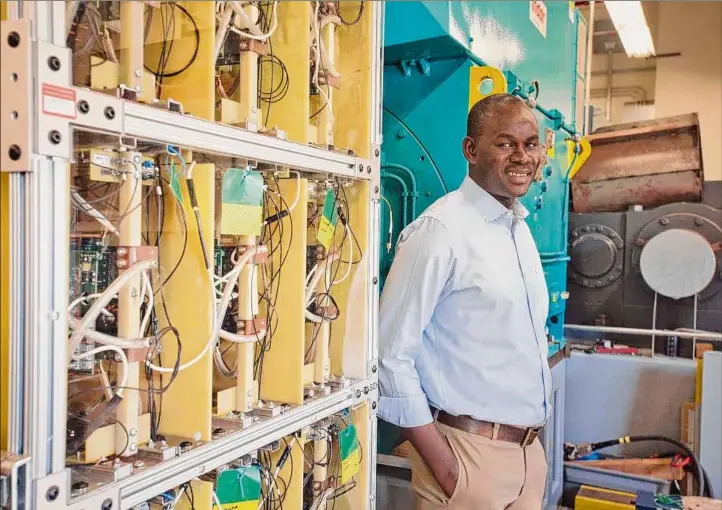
(440, 58)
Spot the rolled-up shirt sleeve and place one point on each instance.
(420, 275)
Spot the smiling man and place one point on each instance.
(463, 354)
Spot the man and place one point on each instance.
(463, 361)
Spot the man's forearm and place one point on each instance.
(436, 453)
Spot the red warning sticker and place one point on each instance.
(59, 101)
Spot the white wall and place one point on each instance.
(692, 82)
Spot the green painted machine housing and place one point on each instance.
(429, 49)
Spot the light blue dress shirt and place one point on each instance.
(463, 313)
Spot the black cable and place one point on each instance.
(160, 71)
(704, 489)
(358, 16)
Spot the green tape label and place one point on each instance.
(238, 489)
(242, 202)
(350, 453)
(175, 184)
(328, 220)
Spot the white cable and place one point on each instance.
(222, 30)
(102, 338)
(108, 294)
(310, 275)
(211, 340)
(94, 213)
(256, 33)
(123, 361)
(215, 500)
(219, 314)
(350, 258)
(148, 290)
(325, 57)
(317, 277)
(298, 190)
(189, 174)
(178, 498)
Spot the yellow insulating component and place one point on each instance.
(131, 44)
(485, 81)
(320, 469)
(195, 87)
(283, 368)
(187, 404)
(292, 471)
(349, 333)
(582, 157)
(291, 42)
(129, 301)
(596, 498)
(247, 310)
(354, 62)
(202, 497)
(326, 116)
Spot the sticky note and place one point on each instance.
(241, 202)
(327, 222)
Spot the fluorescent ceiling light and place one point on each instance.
(631, 25)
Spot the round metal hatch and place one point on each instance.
(677, 263)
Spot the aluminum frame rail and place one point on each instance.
(50, 110)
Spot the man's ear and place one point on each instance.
(468, 147)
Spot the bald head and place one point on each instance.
(483, 109)
(502, 146)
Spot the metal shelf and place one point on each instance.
(126, 493)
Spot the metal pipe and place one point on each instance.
(681, 333)
(405, 192)
(608, 104)
(414, 187)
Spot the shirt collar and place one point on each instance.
(489, 206)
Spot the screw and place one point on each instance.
(138, 73)
(376, 153)
(664, 222)
(122, 263)
(54, 137)
(107, 504)
(358, 393)
(13, 39)
(640, 242)
(618, 267)
(14, 115)
(575, 234)
(250, 393)
(15, 152)
(109, 112)
(374, 369)
(185, 446)
(54, 63)
(698, 222)
(368, 169)
(79, 488)
(52, 493)
(83, 106)
(13, 77)
(376, 189)
(375, 280)
(360, 168)
(619, 244)
(133, 432)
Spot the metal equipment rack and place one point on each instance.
(36, 150)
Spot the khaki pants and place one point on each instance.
(493, 475)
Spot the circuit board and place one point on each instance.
(92, 268)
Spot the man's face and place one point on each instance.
(505, 157)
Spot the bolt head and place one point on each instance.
(133, 432)
(138, 73)
(664, 222)
(107, 504)
(139, 464)
(13, 39)
(52, 493)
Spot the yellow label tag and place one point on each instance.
(241, 219)
(325, 232)
(241, 505)
(350, 466)
(484, 81)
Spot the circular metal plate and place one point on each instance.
(596, 256)
(677, 263)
